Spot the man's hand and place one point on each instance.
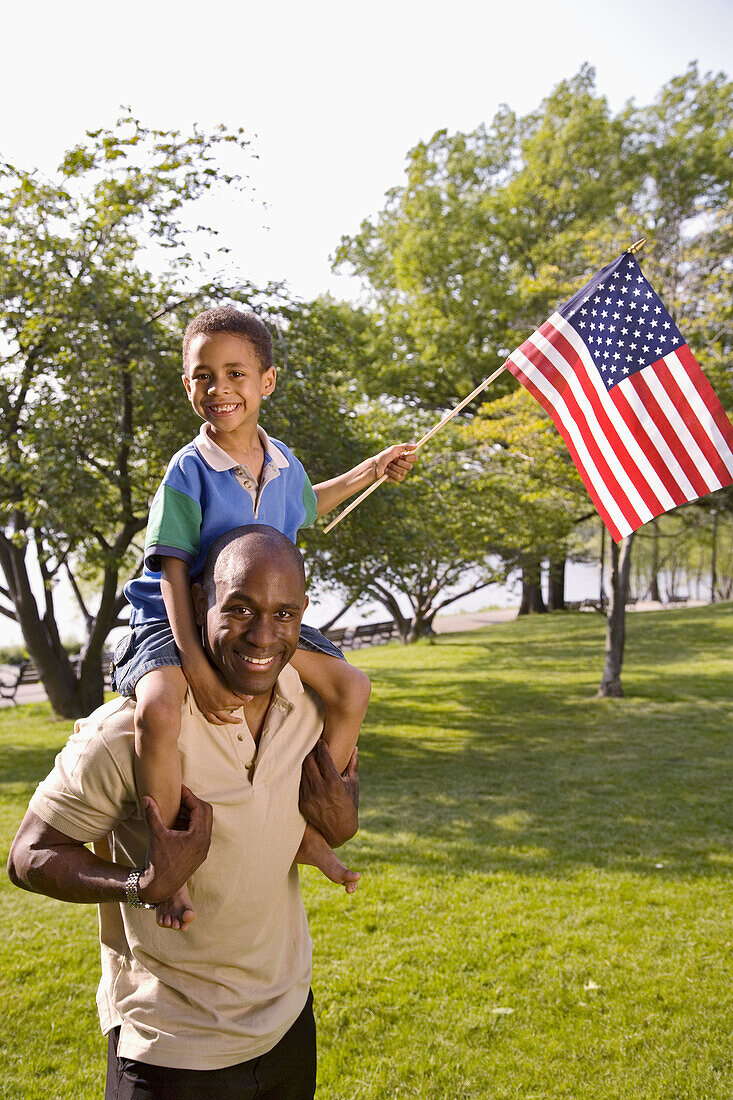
(330, 801)
(174, 854)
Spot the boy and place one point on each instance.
(231, 474)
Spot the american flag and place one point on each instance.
(638, 415)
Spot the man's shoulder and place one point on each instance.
(112, 725)
(305, 699)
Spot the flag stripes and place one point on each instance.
(654, 440)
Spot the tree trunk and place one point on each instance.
(654, 593)
(421, 626)
(714, 559)
(616, 620)
(71, 696)
(532, 602)
(556, 594)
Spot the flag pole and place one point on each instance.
(632, 249)
(421, 442)
(636, 246)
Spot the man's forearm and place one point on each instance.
(70, 873)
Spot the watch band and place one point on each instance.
(132, 897)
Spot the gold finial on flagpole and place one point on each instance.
(636, 246)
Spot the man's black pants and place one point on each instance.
(287, 1072)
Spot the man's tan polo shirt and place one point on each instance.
(229, 988)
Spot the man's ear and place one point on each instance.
(198, 597)
(305, 605)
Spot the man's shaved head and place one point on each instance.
(244, 543)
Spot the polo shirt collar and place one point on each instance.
(219, 460)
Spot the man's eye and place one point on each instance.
(240, 611)
(285, 616)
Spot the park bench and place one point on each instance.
(372, 634)
(337, 635)
(27, 673)
(24, 673)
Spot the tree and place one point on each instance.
(491, 230)
(90, 390)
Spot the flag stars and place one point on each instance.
(657, 309)
(604, 313)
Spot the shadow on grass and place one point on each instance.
(509, 763)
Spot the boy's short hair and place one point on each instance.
(237, 322)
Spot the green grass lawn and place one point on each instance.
(546, 909)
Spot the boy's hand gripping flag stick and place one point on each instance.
(428, 435)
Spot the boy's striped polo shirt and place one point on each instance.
(204, 494)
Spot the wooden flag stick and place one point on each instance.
(428, 435)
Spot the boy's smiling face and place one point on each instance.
(224, 381)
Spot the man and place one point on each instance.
(224, 1009)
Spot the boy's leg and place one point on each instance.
(315, 851)
(159, 695)
(345, 690)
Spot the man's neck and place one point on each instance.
(255, 712)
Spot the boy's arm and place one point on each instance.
(215, 699)
(395, 461)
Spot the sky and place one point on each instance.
(331, 94)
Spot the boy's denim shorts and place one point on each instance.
(151, 645)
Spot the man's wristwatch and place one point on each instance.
(132, 897)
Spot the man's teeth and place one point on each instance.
(259, 660)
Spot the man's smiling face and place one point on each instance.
(250, 613)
